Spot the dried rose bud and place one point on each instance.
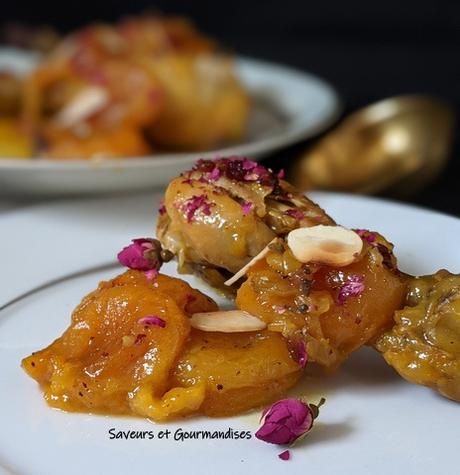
(287, 420)
(143, 254)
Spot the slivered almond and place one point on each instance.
(244, 269)
(230, 321)
(87, 102)
(331, 245)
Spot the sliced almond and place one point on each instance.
(331, 245)
(244, 269)
(230, 321)
(87, 102)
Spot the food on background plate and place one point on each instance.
(150, 345)
(10, 94)
(79, 102)
(15, 141)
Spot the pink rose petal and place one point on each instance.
(249, 164)
(141, 254)
(352, 287)
(295, 213)
(194, 204)
(151, 274)
(286, 455)
(152, 320)
(162, 208)
(215, 174)
(140, 338)
(366, 235)
(280, 309)
(301, 354)
(247, 207)
(285, 421)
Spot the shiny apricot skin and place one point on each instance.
(106, 355)
(332, 330)
(241, 371)
(109, 362)
(224, 237)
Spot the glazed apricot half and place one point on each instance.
(130, 349)
(333, 310)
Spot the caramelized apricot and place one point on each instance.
(304, 301)
(110, 360)
(240, 370)
(107, 356)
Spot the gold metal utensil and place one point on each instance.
(398, 145)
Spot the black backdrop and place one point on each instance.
(368, 50)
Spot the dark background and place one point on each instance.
(368, 50)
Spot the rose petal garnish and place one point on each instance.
(295, 213)
(301, 354)
(286, 455)
(152, 320)
(366, 235)
(162, 208)
(249, 164)
(298, 350)
(246, 206)
(281, 174)
(352, 287)
(142, 254)
(151, 274)
(280, 309)
(194, 204)
(237, 169)
(255, 173)
(387, 255)
(215, 174)
(140, 338)
(287, 420)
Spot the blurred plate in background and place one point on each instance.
(289, 106)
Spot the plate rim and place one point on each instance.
(10, 465)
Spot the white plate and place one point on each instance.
(373, 421)
(289, 106)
